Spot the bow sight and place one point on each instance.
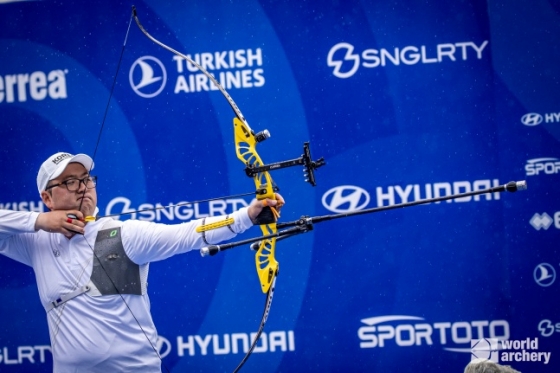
(309, 165)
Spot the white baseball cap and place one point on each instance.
(56, 164)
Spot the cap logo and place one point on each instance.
(61, 157)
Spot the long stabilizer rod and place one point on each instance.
(512, 186)
(305, 223)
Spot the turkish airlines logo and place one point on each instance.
(544, 274)
(531, 119)
(147, 76)
(345, 198)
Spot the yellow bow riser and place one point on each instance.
(267, 266)
(245, 147)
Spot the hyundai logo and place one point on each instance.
(163, 346)
(531, 119)
(544, 274)
(345, 198)
(147, 76)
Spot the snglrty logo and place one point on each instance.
(348, 56)
(548, 328)
(345, 62)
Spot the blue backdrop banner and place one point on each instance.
(405, 101)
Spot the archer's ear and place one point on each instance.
(47, 199)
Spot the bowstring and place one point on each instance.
(239, 115)
(264, 318)
(85, 188)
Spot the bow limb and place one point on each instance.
(245, 144)
(245, 141)
(232, 103)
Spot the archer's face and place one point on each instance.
(60, 198)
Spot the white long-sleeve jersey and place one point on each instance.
(99, 333)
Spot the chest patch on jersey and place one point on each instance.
(113, 271)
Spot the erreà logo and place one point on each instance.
(37, 86)
(147, 76)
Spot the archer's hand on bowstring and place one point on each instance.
(258, 206)
(67, 222)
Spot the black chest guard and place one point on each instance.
(113, 271)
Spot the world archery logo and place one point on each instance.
(485, 349)
(147, 76)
